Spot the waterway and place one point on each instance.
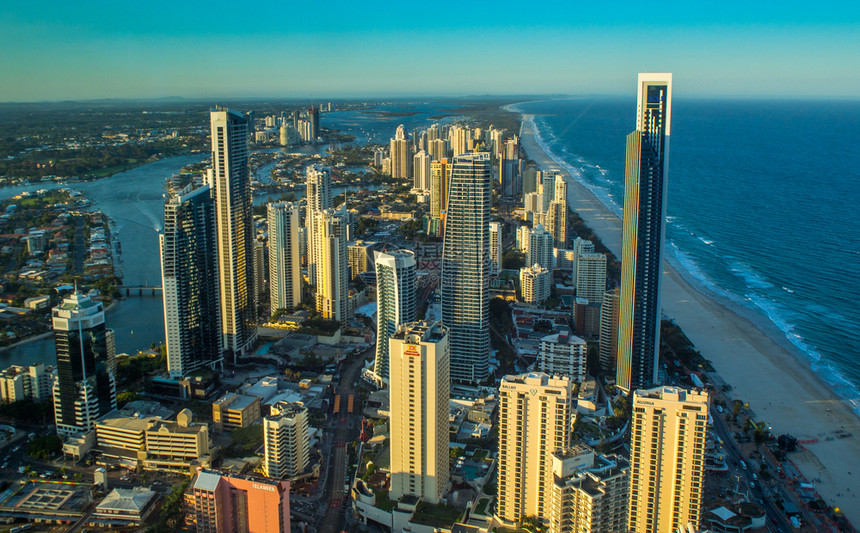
(134, 201)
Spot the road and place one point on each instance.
(345, 432)
(757, 493)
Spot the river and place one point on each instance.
(134, 202)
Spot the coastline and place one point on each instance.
(756, 360)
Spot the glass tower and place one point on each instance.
(645, 187)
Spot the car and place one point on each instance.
(755, 477)
(752, 485)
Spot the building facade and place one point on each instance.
(401, 155)
(85, 388)
(419, 411)
(221, 502)
(285, 272)
(466, 267)
(534, 422)
(540, 248)
(395, 301)
(189, 281)
(535, 284)
(286, 440)
(609, 318)
(318, 197)
(563, 354)
(644, 228)
(591, 277)
(496, 244)
(669, 429)
(330, 235)
(235, 230)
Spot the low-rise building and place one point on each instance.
(233, 411)
(124, 507)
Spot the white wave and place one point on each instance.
(753, 279)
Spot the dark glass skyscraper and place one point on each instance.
(189, 278)
(466, 267)
(645, 187)
(85, 387)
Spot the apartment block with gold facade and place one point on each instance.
(669, 428)
(534, 422)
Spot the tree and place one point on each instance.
(513, 260)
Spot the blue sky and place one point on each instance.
(84, 49)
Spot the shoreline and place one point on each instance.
(781, 388)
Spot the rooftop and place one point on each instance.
(134, 500)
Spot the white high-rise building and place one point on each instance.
(438, 149)
(535, 284)
(329, 230)
(189, 281)
(421, 171)
(556, 215)
(395, 301)
(495, 248)
(589, 492)
(286, 440)
(234, 222)
(466, 267)
(668, 431)
(420, 381)
(458, 136)
(401, 155)
(580, 246)
(318, 196)
(534, 422)
(285, 272)
(523, 233)
(563, 354)
(591, 277)
(540, 248)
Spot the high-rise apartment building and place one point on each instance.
(496, 244)
(644, 228)
(401, 155)
(285, 272)
(419, 411)
(330, 234)
(438, 149)
(591, 277)
(540, 248)
(318, 197)
(286, 440)
(223, 502)
(535, 284)
(509, 169)
(85, 388)
(466, 267)
(523, 233)
(421, 171)
(235, 229)
(563, 354)
(668, 431)
(609, 317)
(534, 422)
(458, 136)
(358, 253)
(395, 301)
(580, 247)
(440, 174)
(556, 215)
(261, 270)
(189, 281)
(589, 492)
(314, 119)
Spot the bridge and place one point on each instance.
(139, 289)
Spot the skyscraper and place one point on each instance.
(235, 229)
(395, 301)
(609, 319)
(314, 119)
(440, 172)
(242, 503)
(329, 229)
(189, 281)
(667, 457)
(85, 388)
(645, 188)
(591, 277)
(535, 284)
(401, 156)
(419, 411)
(318, 197)
(286, 441)
(495, 247)
(556, 215)
(563, 354)
(285, 273)
(421, 171)
(466, 267)
(540, 248)
(509, 168)
(534, 423)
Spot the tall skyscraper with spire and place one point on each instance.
(189, 281)
(235, 229)
(395, 301)
(466, 267)
(85, 388)
(285, 273)
(645, 188)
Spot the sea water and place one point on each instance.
(762, 207)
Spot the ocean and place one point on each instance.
(762, 207)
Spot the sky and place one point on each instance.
(86, 50)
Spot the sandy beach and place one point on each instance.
(755, 359)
